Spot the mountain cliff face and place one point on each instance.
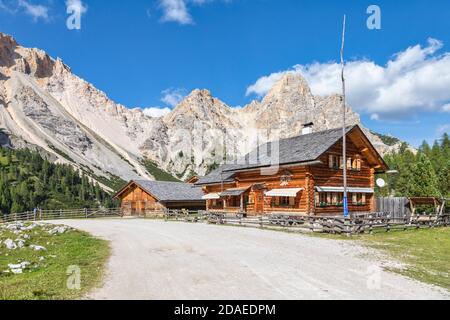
(44, 106)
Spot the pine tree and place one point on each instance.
(423, 179)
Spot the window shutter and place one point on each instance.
(277, 201)
(341, 162)
(330, 161)
(328, 197)
(349, 163)
(292, 201)
(355, 198)
(364, 198)
(317, 198)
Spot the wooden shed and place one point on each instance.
(144, 198)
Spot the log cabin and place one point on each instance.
(147, 198)
(305, 179)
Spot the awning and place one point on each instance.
(211, 196)
(341, 189)
(236, 192)
(292, 193)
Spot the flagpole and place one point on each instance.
(344, 129)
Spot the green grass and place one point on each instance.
(160, 175)
(47, 279)
(426, 253)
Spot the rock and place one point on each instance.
(17, 271)
(26, 236)
(37, 248)
(10, 244)
(58, 230)
(20, 243)
(16, 226)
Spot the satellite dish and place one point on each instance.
(381, 183)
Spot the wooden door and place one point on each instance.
(134, 209)
(259, 202)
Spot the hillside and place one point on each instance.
(28, 181)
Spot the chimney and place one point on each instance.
(307, 128)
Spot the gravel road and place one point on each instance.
(168, 260)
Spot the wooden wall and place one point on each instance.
(136, 201)
(323, 175)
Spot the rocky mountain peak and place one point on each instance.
(50, 108)
(290, 84)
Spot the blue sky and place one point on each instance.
(151, 53)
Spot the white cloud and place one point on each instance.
(172, 97)
(375, 117)
(156, 112)
(264, 84)
(175, 11)
(36, 11)
(178, 11)
(416, 79)
(77, 6)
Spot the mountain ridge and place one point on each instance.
(44, 105)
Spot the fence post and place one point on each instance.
(34, 214)
(86, 213)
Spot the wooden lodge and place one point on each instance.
(306, 180)
(146, 198)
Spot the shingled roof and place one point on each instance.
(304, 148)
(216, 176)
(297, 150)
(169, 191)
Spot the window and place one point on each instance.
(333, 162)
(216, 203)
(359, 199)
(356, 164)
(325, 199)
(283, 202)
(234, 202)
(321, 199)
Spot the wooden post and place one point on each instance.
(86, 212)
(242, 202)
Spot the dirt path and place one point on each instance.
(166, 260)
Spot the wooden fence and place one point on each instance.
(397, 207)
(336, 225)
(42, 215)
(364, 223)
